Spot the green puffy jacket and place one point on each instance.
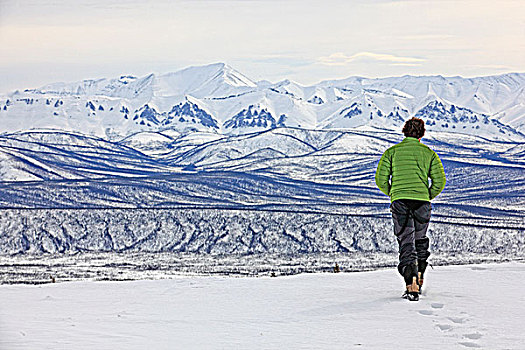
(404, 169)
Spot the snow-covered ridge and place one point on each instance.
(282, 191)
(217, 98)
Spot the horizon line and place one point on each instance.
(224, 64)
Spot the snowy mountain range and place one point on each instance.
(213, 162)
(216, 98)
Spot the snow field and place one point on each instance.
(469, 306)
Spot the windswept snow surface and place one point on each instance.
(462, 307)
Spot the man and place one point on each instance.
(402, 174)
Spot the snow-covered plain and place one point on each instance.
(462, 307)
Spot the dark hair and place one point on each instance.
(414, 127)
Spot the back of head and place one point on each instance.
(414, 127)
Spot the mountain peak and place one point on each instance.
(219, 70)
(217, 79)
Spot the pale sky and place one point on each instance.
(306, 41)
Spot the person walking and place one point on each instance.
(403, 174)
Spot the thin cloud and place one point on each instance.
(340, 59)
(406, 64)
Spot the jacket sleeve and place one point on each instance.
(437, 175)
(383, 172)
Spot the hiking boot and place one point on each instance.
(412, 291)
(421, 267)
(410, 274)
(411, 296)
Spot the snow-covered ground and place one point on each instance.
(469, 306)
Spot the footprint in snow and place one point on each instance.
(469, 344)
(445, 327)
(473, 336)
(426, 312)
(457, 319)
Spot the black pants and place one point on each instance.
(411, 220)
